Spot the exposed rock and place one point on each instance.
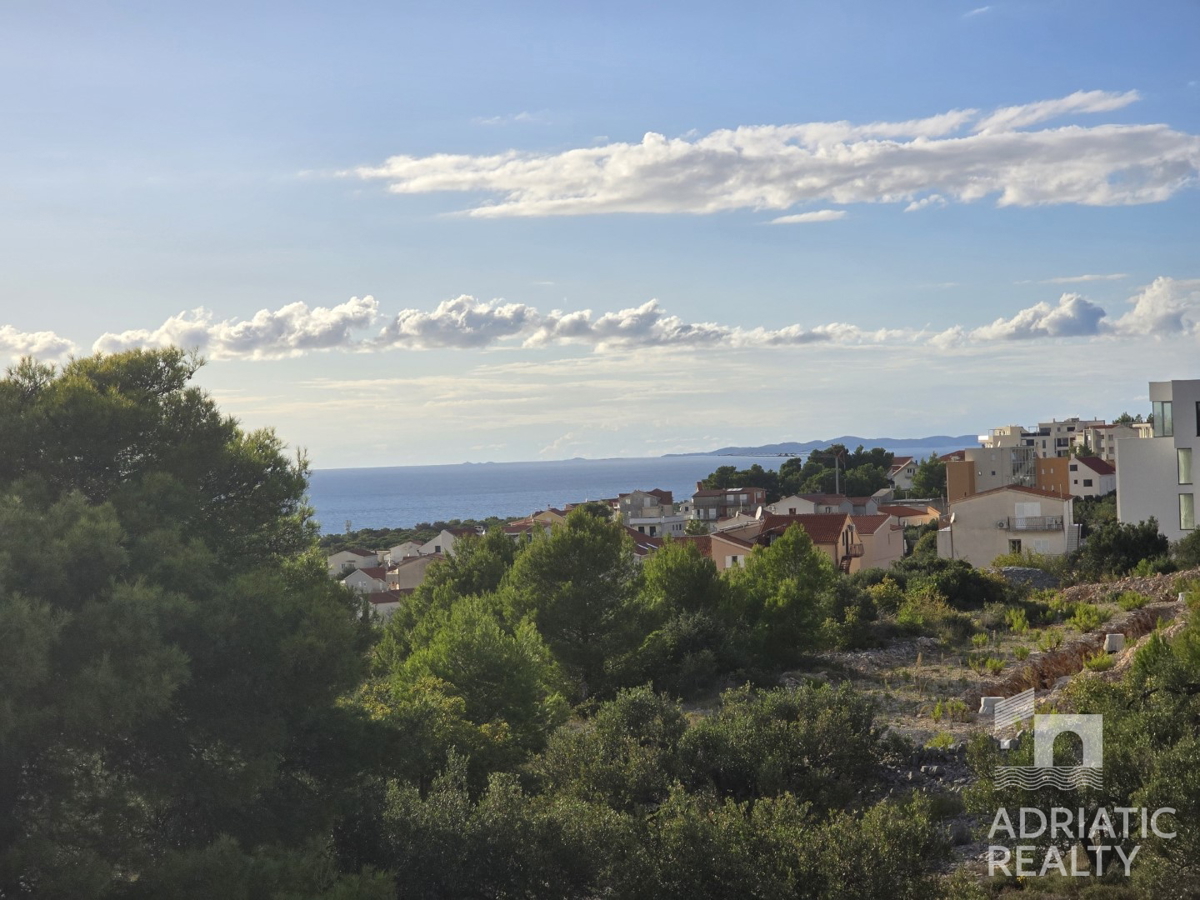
(1035, 578)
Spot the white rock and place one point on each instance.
(1114, 643)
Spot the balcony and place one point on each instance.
(1033, 523)
(854, 551)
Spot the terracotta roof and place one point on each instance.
(954, 454)
(374, 572)
(899, 462)
(357, 552)
(377, 597)
(823, 498)
(1039, 492)
(870, 524)
(643, 544)
(904, 511)
(413, 560)
(1097, 465)
(823, 529)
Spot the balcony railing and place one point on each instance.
(1035, 523)
(854, 551)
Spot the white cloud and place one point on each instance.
(820, 215)
(777, 167)
(933, 200)
(1010, 118)
(1080, 279)
(1165, 308)
(978, 11)
(291, 330)
(1072, 316)
(42, 344)
(522, 118)
(461, 322)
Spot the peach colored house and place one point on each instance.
(834, 534)
(725, 550)
(882, 538)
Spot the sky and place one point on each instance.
(436, 233)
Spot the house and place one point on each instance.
(651, 512)
(882, 537)
(367, 580)
(384, 603)
(643, 544)
(1009, 519)
(404, 551)
(911, 514)
(902, 471)
(1156, 476)
(1091, 476)
(443, 542)
(979, 470)
(725, 550)
(794, 505)
(833, 534)
(1102, 439)
(710, 504)
(409, 573)
(352, 559)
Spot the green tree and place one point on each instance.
(780, 596)
(930, 478)
(506, 680)
(172, 647)
(580, 585)
(1115, 548)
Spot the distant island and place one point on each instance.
(796, 448)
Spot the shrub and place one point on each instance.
(926, 611)
(1050, 640)
(1021, 653)
(953, 709)
(1099, 662)
(1017, 620)
(943, 740)
(1187, 551)
(1086, 617)
(1117, 547)
(1159, 565)
(1131, 600)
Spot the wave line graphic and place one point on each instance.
(1013, 709)
(1062, 778)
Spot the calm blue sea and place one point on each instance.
(402, 496)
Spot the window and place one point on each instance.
(1164, 420)
(1187, 512)
(1087, 482)
(1014, 546)
(1073, 467)
(1198, 418)
(1184, 455)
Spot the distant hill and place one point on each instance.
(942, 443)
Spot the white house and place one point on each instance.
(368, 580)
(1090, 476)
(652, 513)
(352, 559)
(901, 474)
(384, 603)
(404, 551)
(1156, 476)
(443, 542)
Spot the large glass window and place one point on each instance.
(1187, 512)
(1185, 464)
(1164, 423)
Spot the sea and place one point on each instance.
(403, 496)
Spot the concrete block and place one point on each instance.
(1114, 643)
(987, 705)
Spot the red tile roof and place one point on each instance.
(904, 511)
(358, 552)
(899, 462)
(1040, 492)
(954, 454)
(823, 529)
(395, 596)
(643, 544)
(374, 572)
(870, 524)
(1097, 465)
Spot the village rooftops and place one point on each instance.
(1037, 492)
(1097, 465)
(821, 528)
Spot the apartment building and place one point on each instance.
(983, 469)
(1055, 438)
(710, 504)
(1156, 477)
(1009, 519)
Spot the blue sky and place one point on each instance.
(989, 215)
